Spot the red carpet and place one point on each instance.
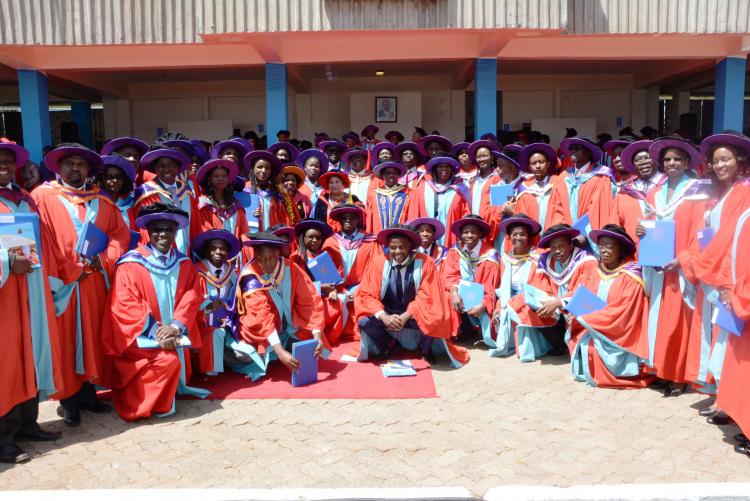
(336, 379)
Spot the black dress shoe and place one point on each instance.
(743, 448)
(718, 419)
(740, 437)
(38, 435)
(71, 418)
(674, 390)
(708, 412)
(13, 454)
(96, 407)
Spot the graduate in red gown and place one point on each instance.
(117, 181)
(297, 205)
(357, 250)
(482, 154)
(401, 301)
(278, 305)
(412, 156)
(217, 275)
(335, 184)
(30, 358)
(169, 186)
(387, 203)
(314, 163)
(361, 180)
(443, 196)
(586, 188)
(313, 238)
(540, 161)
(132, 149)
(614, 148)
(682, 199)
(263, 169)
(608, 346)
(79, 285)
(151, 319)
(473, 260)
(430, 230)
(508, 174)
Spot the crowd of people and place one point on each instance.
(153, 262)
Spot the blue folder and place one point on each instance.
(657, 246)
(727, 320)
(534, 297)
(472, 294)
(26, 217)
(582, 224)
(307, 373)
(584, 302)
(135, 239)
(323, 269)
(92, 241)
(250, 202)
(500, 194)
(704, 237)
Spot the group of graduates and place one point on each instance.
(209, 259)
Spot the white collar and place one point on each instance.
(66, 185)
(213, 269)
(473, 252)
(8, 186)
(158, 254)
(583, 169)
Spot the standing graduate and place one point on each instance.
(412, 157)
(30, 358)
(382, 152)
(368, 137)
(585, 187)
(608, 346)
(430, 230)
(539, 160)
(79, 285)
(443, 196)
(473, 260)
(263, 167)
(297, 206)
(151, 317)
(170, 165)
(332, 150)
(508, 174)
(468, 172)
(401, 302)
(387, 204)
(116, 180)
(682, 200)
(314, 163)
(133, 150)
(360, 175)
(481, 153)
(334, 194)
(277, 305)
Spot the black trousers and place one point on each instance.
(86, 395)
(21, 418)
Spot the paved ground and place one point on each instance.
(496, 422)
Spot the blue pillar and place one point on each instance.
(80, 113)
(32, 87)
(485, 97)
(276, 103)
(729, 94)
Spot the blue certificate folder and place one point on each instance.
(250, 202)
(582, 224)
(657, 247)
(500, 193)
(24, 218)
(534, 297)
(135, 239)
(307, 373)
(704, 237)
(323, 269)
(92, 241)
(584, 302)
(472, 294)
(727, 320)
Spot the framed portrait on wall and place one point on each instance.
(386, 109)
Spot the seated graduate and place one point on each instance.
(153, 304)
(560, 264)
(430, 230)
(513, 320)
(277, 305)
(401, 302)
(217, 274)
(357, 250)
(608, 346)
(473, 260)
(313, 239)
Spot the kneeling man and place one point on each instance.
(401, 302)
(153, 304)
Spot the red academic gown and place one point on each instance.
(594, 199)
(430, 308)
(334, 320)
(58, 229)
(527, 201)
(18, 379)
(733, 396)
(486, 272)
(493, 214)
(673, 325)
(145, 380)
(259, 317)
(624, 321)
(459, 207)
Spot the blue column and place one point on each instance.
(276, 103)
(485, 97)
(729, 94)
(32, 87)
(80, 113)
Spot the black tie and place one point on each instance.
(399, 284)
(217, 273)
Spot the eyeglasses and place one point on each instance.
(608, 247)
(113, 177)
